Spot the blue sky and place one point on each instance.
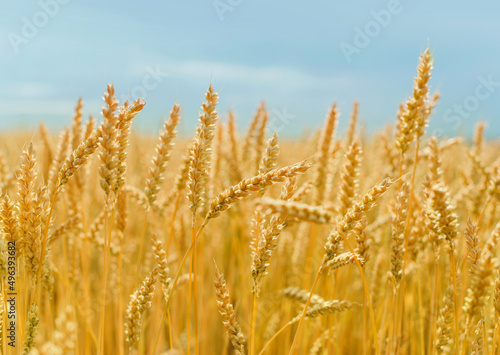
(290, 53)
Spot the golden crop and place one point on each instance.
(229, 244)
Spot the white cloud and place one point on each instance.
(284, 78)
(36, 107)
(29, 90)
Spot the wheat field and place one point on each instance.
(239, 242)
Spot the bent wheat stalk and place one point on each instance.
(342, 227)
(223, 202)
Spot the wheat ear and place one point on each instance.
(31, 330)
(79, 157)
(296, 210)
(140, 301)
(353, 216)
(300, 295)
(228, 314)
(398, 228)
(324, 153)
(108, 156)
(163, 151)
(349, 180)
(199, 168)
(124, 121)
(415, 113)
(241, 190)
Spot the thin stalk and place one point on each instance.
(274, 337)
(107, 243)
(294, 342)
(255, 304)
(85, 255)
(174, 283)
(188, 343)
(169, 329)
(77, 305)
(455, 318)
(484, 209)
(310, 252)
(22, 300)
(103, 288)
(171, 228)
(192, 282)
(434, 304)
(407, 227)
(366, 290)
(141, 247)
(188, 326)
(170, 238)
(195, 287)
(255, 301)
(64, 242)
(121, 349)
(421, 314)
(42, 251)
(365, 328)
(394, 322)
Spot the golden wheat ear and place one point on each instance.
(349, 180)
(79, 157)
(200, 152)
(227, 312)
(415, 114)
(324, 153)
(140, 301)
(296, 210)
(400, 215)
(109, 144)
(31, 329)
(228, 197)
(164, 147)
